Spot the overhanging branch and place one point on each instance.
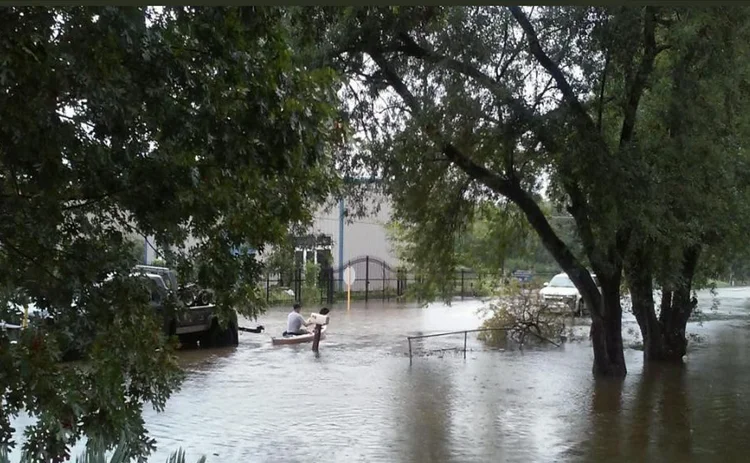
(583, 118)
(504, 186)
(638, 85)
(474, 170)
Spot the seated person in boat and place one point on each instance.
(295, 323)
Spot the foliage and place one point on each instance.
(280, 261)
(519, 314)
(139, 249)
(496, 241)
(693, 125)
(311, 285)
(186, 124)
(96, 454)
(461, 106)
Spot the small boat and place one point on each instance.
(297, 339)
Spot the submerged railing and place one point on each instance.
(466, 335)
(452, 333)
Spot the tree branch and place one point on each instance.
(88, 201)
(474, 170)
(16, 250)
(601, 93)
(554, 70)
(503, 186)
(644, 72)
(412, 48)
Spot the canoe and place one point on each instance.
(297, 339)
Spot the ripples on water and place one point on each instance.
(252, 403)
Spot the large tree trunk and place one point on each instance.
(639, 277)
(605, 308)
(606, 330)
(664, 338)
(677, 306)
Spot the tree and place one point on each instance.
(494, 240)
(632, 120)
(174, 123)
(694, 124)
(481, 103)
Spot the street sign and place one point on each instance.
(349, 276)
(522, 275)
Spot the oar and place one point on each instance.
(258, 329)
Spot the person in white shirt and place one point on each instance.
(295, 323)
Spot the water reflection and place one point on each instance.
(255, 402)
(605, 419)
(423, 421)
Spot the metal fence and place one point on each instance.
(376, 280)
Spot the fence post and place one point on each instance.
(398, 283)
(330, 286)
(462, 284)
(367, 277)
(299, 285)
(465, 334)
(409, 350)
(268, 287)
(382, 282)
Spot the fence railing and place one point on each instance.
(329, 289)
(376, 280)
(451, 333)
(466, 336)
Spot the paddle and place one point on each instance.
(257, 329)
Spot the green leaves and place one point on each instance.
(186, 124)
(97, 454)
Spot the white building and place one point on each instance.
(354, 238)
(345, 239)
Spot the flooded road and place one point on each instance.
(253, 403)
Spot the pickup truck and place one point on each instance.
(561, 292)
(195, 321)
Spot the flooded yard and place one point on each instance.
(255, 403)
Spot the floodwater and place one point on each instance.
(361, 401)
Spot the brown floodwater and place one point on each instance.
(361, 401)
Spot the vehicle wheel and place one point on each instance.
(216, 337)
(188, 341)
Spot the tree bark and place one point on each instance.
(639, 277)
(664, 338)
(606, 310)
(678, 306)
(606, 329)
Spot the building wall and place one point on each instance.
(365, 236)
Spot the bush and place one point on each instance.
(518, 314)
(311, 287)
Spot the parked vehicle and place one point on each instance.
(192, 316)
(195, 321)
(561, 292)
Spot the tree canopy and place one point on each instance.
(174, 122)
(622, 115)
